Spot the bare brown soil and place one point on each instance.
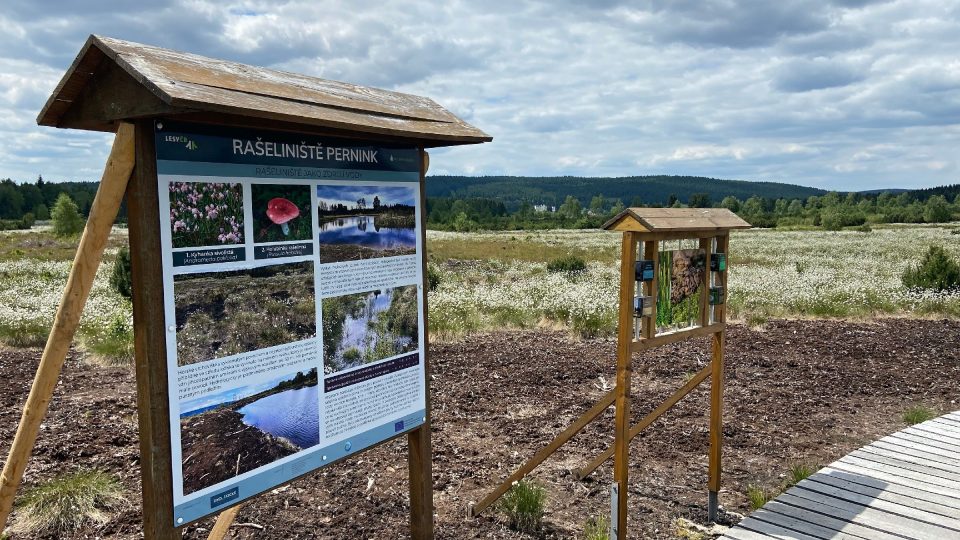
(798, 391)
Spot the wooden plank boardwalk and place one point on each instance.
(906, 485)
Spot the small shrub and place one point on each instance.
(121, 279)
(937, 270)
(569, 264)
(114, 347)
(597, 528)
(865, 228)
(917, 414)
(66, 217)
(433, 277)
(758, 496)
(67, 503)
(523, 505)
(800, 472)
(687, 530)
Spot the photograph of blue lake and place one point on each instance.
(292, 415)
(364, 222)
(241, 429)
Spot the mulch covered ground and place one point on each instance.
(797, 392)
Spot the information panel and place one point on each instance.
(293, 305)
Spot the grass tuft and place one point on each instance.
(800, 472)
(917, 414)
(758, 496)
(686, 530)
(597, 528)
(65, 504)
(523, 505)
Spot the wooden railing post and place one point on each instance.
(621, 455)
(716, 391)
(103, 212)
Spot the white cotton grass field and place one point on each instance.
(33, 271)
(772, 274)
(497, 280)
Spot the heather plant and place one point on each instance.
(569, 264)
(206, 213)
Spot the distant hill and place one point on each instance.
(512, 190)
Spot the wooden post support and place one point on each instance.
(224, 520)
(149, 337)
(103, 212)
(420, 453)
(621, 463)
(716, 394)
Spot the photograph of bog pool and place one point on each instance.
(367, 327)
(366, 221)
(239, 430)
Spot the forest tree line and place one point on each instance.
(22, 204)
(831, 211)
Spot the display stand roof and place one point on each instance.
(113, 80)
(669, 220)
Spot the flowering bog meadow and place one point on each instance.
(34, 267)
(206, 213)
(772, 274)
(489, 281)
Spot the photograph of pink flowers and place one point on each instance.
(281, 213)
(206, 214)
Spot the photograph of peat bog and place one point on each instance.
(239, 430)
(206, 214)
(366, 327)
(601, 270)
(281, 213)
(225, 313)
(365, 222)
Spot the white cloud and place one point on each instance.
(795, 91)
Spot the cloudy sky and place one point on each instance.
(839, 94)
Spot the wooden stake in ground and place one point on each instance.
(103, 212)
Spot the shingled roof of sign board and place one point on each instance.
(113, 80)
(666, 220)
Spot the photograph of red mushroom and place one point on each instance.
(367, 327)
(205, 214)
(281, 213)
(220, 314)
(365, 222)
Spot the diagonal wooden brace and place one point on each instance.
(106, 204)
(545, 452)
(648, 419)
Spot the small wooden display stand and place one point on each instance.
(121, 87)
(650, 227)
